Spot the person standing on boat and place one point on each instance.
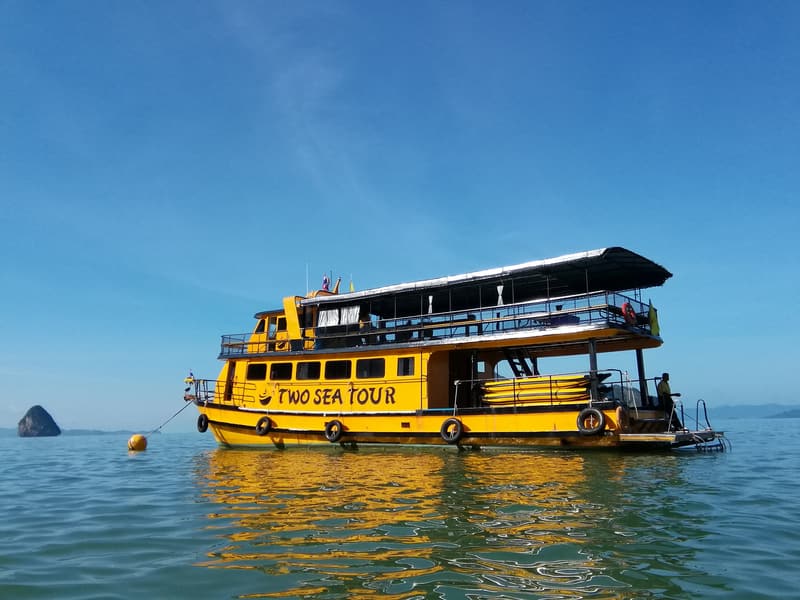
(665, 396)
(326, 283)
(364, 326)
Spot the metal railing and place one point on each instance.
(214, 390)
(543, 315)
(558, 388)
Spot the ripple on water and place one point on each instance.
(186, 519)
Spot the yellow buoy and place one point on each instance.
(137, 443)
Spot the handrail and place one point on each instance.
(543, 314)
(616, 386)
(573, 387)
(701, 402)
(212, 390)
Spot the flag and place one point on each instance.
(652, 314)
(352, 287)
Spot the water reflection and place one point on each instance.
(344, 517)
(429, 523)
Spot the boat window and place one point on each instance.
(261, 326)
(280, 371)
(281, 323)
(257, 371)
(370, 368)
(308, 370)
(337, 369)
(271, 328)
(483, 370)
(405, 366)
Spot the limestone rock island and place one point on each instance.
(37, 422)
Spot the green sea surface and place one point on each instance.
(84, 518)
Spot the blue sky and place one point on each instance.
(167, 169)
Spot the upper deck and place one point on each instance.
(563, 300)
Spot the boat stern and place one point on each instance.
(706, 440)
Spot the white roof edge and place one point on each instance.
(452, 279)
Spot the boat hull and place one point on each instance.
(553, 426)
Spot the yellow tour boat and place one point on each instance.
(457, 361)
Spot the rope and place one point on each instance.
(185, 406)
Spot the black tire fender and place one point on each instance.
(202, 423)
(451, 431)
(591, 421)
(263, 426)
(333, 431)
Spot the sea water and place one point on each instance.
(84, 518)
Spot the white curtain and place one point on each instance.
(328, 318)
(349, 315)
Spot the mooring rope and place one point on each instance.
(185, 406)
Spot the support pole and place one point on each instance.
(643, 393)
(595, 393)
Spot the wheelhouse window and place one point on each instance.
(368, 368)
(338, 369)
(405, 366)
(308, 370)
(280, 371)
(281, 323)
(261, 326)
(256, 372)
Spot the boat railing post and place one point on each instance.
(626, 389)
(514, 390)
(645, 396)
(594, 394)
(673, 415)
(702, 403)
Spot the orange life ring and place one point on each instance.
(629, 314)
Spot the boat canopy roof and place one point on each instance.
(608, 269)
